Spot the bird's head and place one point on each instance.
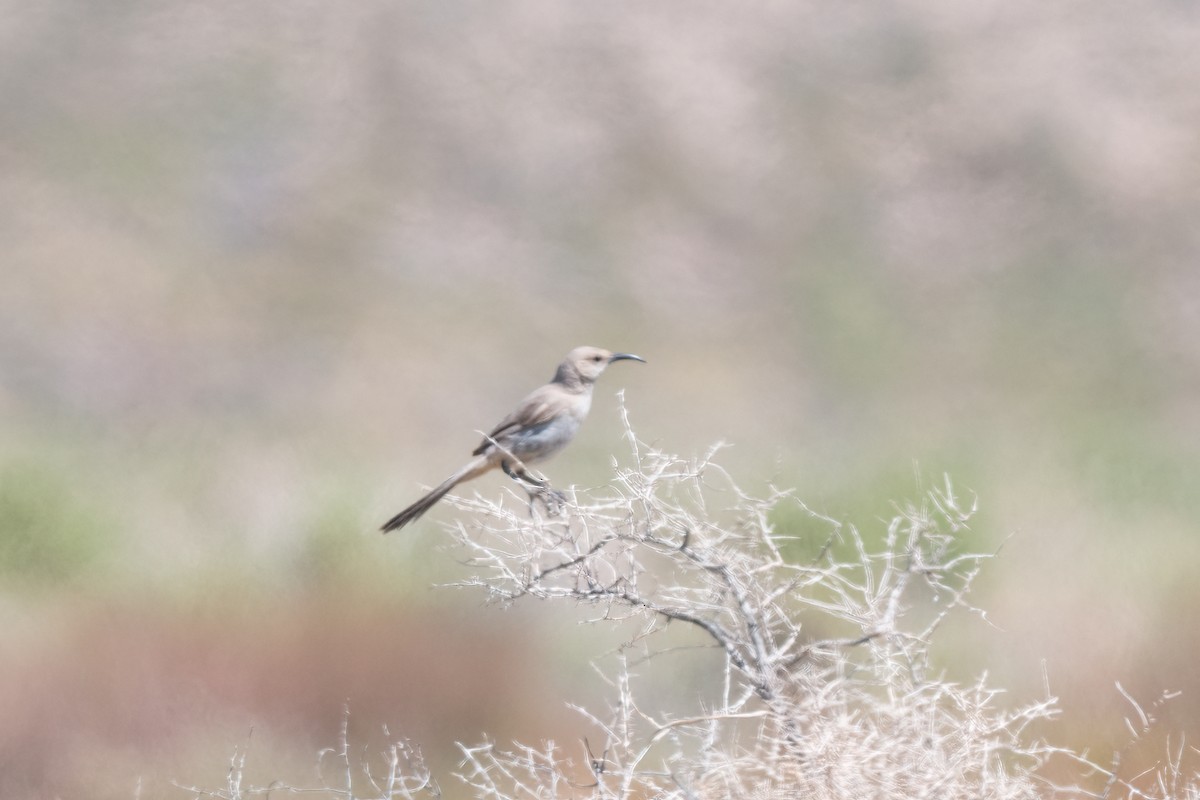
(583, 365)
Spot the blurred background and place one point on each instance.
(267, 269)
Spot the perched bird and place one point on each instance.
(544, 423)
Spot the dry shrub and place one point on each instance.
(828, 688)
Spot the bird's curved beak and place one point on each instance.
(625, 357)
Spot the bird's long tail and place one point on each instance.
(472, 469)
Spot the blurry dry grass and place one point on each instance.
(242, 243)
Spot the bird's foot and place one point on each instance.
(554, 501)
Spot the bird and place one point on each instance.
(541, 425)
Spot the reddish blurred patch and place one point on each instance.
(146, 680)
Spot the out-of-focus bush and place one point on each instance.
(50, 532)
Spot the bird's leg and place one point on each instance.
(521, 474)
(553, 500)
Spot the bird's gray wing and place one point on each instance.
(537, 408)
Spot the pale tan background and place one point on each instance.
(268, 267)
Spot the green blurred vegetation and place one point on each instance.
(53, 533)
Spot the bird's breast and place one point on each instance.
(583, 406)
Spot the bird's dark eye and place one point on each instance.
(597, 358)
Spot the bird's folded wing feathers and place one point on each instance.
(537, 408)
